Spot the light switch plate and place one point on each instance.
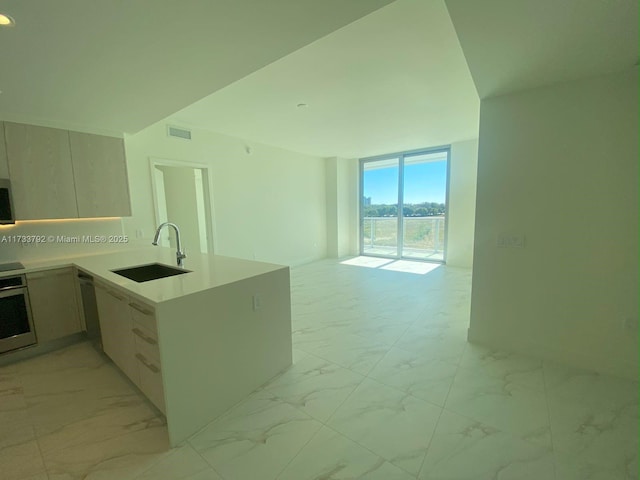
(511, 240)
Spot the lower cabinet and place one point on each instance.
(130, 339)
(115, 325)
(54, 304)
(147, 352)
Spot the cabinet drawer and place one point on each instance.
(144, 315)
(151, 380)
(146, 342)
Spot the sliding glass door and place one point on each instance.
(403, 205)
(379, 226)
(424, 205)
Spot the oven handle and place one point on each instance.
(11, 291)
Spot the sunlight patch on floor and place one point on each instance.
(370, 262)
(406, 266)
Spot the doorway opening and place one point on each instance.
(403, 205)
(182, 195)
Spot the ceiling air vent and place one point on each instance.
(178, 132)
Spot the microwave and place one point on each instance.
(7, 214)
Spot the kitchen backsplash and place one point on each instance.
(43, 239)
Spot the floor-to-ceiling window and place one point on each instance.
(403, 204)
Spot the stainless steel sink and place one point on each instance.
(152, 271)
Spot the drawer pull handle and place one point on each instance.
(140, 309)
(116, 295)
(150, 366)
(140, 333)
(48, 273)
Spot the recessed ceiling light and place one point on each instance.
(302, 105)
(6, 21)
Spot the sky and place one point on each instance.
(423, 182)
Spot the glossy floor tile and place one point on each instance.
(462, 447)
(256, 439)
(384, 386)
(332, 456)
(315, 386)
(393, 424)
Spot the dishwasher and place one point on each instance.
(90, 307)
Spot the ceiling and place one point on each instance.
(392, 76)
(391, 81)
(119, 65)
(513, 45)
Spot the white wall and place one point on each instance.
(269, 204)
(560, 165)
(331, 186)
(350, 198)
(462, 203)
(348, 213)
(342, 216)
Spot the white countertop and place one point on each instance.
(206, 271)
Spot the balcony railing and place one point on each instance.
(423, 237)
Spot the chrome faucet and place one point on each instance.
(179, 253)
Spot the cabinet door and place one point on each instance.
(115, 327)
(41, 174)
(100, 173)
(54, 304)
(4, 167)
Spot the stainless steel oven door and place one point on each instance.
(16, 325)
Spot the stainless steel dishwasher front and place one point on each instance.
(89, 306)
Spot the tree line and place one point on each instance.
(425, 209)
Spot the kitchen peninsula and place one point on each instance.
(195, 343)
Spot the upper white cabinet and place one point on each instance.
(100, 173)
(60, 174)
(4, 168)
(41, 173)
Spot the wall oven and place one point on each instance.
(16, 325)
(7, 213)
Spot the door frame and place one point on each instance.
(400, 233)
(207, 191)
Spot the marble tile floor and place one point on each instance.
(384, 386)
